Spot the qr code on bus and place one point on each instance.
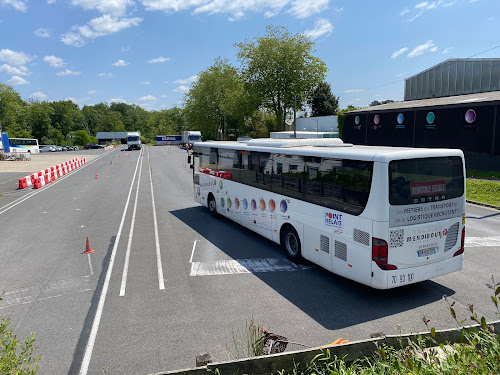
(397, 238)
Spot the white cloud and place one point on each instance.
(160, 59)
(107, 75)
(16, 80)
(186, 81)
(42, 33)
(447, 50)
(321, 27)
(54, 61)
(163, 96)
(353, 91)
(415, 17)
(114, 7)
(14, 58)
(68, 72)
(404, 12)
(117, 100)
(51, 1)
(145, 83)
(125, 49)
(434, 49)
(306, 8)
(98, 27)
(420, 49)
(38, 96)
(91, 92)
(182, 88)
(421, 5)
(399, 52)
(147, 98)
(120, 63)
(16, 4)
(12, 70)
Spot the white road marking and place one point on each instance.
(482, 241)
(238, 266)
(90, 265)
(192, 252)
(161, 283)
(131, 235)
(42, 292)
(97, 319)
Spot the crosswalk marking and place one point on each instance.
(238, 266)
(482, 241)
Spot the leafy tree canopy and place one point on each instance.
(322, 101)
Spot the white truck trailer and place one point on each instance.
(134, 141)
(189, 137)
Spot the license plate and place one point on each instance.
(427, 252)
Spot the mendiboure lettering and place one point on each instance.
(425, 236)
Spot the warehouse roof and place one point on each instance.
(482, 97)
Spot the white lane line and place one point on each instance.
(22, 199)
(192, 252)
(97, 319)
(239, 266)
(161, 282)
(482, 241)
(131, 235)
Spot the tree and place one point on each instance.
(322, 101)
(13, 113)
(280, 70)
(67, 116)
(376, 102)
(39, 119)
(217, 102)
(81, 137)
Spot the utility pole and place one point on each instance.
(294, 116)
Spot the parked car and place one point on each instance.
(65, 148)
(59, 148)
(86, 147)
(75, 148)
(47, 148)
(94, 146)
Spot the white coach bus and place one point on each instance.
(382, 216)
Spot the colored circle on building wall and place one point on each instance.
(253, 204)
(262, 204)
(272, 205)
(470, 116)
(357, 120)
(376, 119)
(401, 118)
(229, 203)
(236, 203)
(220, 184)
(244, 203)
(430, 117)
(222, 202)
(283, 206)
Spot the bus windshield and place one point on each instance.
(413, 181)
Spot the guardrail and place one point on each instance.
(39, 179)
(351, 351)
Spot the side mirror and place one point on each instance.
(191, 166)
(189, 159)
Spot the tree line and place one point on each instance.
(278, 76)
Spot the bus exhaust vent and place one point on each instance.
(361, 237)
(341, 250)
(324, 244)
(451, 237)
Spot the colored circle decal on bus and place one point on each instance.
(272, 205)
(199, 191)
(283, 206)
(376, 119)
(245, 203)
(236, 203)
(229, 203)
(430, 117)
(262, 204)
(357, 120)
(222, 202)
(253, 204)
(221, 184)
(401, 118)
(470, 116)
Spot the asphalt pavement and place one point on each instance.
(137, 306)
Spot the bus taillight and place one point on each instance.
(462, 244)
(380, 252)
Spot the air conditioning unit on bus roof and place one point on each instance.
(285, 143)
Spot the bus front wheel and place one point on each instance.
(290, 242)
(212, 205)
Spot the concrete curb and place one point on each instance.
(271, 364)
(484, 204)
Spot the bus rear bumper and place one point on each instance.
(392, 279)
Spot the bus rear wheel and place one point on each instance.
(290, 243)
(212, 205)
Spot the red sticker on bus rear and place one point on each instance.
(427, 187)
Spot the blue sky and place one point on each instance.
(148, 52)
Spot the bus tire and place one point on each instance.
(212, 205)
(290, 243)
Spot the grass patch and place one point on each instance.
(484, 191)
(476, 173)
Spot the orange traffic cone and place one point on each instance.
(88, 249)
(96, 177)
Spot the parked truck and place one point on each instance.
(189, 137)
(168, 140)
(134, 141)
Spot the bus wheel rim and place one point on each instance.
(291, 243)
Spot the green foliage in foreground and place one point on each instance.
(16, 357)
(483, 191)
(476, 173)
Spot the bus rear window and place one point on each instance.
(414, 181)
